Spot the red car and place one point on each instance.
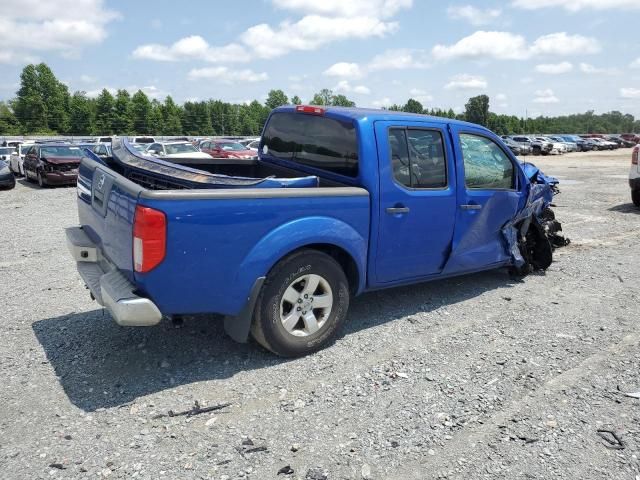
(52, 163)
(226, 149)
(631, 137)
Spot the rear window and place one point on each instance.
(313, 140)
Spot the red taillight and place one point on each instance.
(149, 238)
(634, 155)
(310, 109)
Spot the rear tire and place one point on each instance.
(26, 176)
(286, 321)
(635, 197)
(41, 182)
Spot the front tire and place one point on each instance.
(302, 304)
(27, 177)
(41, 182)
(635, 197)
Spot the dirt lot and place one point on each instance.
(476, 377)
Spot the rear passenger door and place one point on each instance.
(417, 200)
(489, 195)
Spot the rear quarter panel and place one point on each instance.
(217, 248)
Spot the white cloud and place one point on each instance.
(344, 69)
(351, 8)
(87, 79)
(466, 82)
(635, 63)
(554, 68)
(189, 48)
(421, 95)
(474, 15)
(545, 96)
(7, 56)
(501, 100)
(509, 46)
(577, 5)
(226, 75)
(95, 93)
(398, 59)
(381, 102)
(325, 22)
(345, 87)
(630, 93)
(588, 68)
(311, 32)
(65, 26)
(563, 44)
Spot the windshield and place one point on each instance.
(234, 146)
(6, 150)
(180, 148)
(61, 151)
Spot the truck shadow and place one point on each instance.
(625, 208)
(102, 365)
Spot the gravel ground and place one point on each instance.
(481, 376)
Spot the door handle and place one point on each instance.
(473, 206)
(397, 210)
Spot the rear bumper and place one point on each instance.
(108, 286)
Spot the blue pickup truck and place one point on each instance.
(339, 201)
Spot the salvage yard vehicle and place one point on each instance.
(52, 163)
(634, 177)
(7, 179)
(340, 201)
(226, 149)
(537, 147)
(16, 159)
(177, 150)
(5, 153)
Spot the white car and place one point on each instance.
(5, 153)
(557, 147)
(634, 176)
(176, 150)
(142, 139)
(16, 160)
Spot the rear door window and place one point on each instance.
(417, 158)
(313, 140)
(486, 166)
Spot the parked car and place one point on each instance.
(537, 147)
(176, 150)
(604, 144)
(621, 142)
(557, 148)
(102, 150)
(254, 145)
(7, 179)
(5, 153)
(634, 176)
(570, 146)
(226, 149)
(103, 139)
(16, 159)
(283, 263)
(516, 148)
(581, 143)
(631, 137)
(143, 139)
(52, 163)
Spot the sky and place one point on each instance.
(532, 57)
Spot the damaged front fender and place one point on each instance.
(534, 233)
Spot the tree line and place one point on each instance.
(44, 106)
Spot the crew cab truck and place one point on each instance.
(384, 199)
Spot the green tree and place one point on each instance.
(477, 110)
(80, 115)
(122, 121)
(55, 96)
(141, 112)
(413, 106)
(156, 117)
(9, 124)
(276, 98)
(171, 113)
(30, 109)
(196, 119)
(105, 113)
(323, 97)
(342, 101)
(295, 100)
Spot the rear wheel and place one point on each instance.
(635, 197)
(302, 305)
(26, 176)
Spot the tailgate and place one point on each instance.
(106, 207)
